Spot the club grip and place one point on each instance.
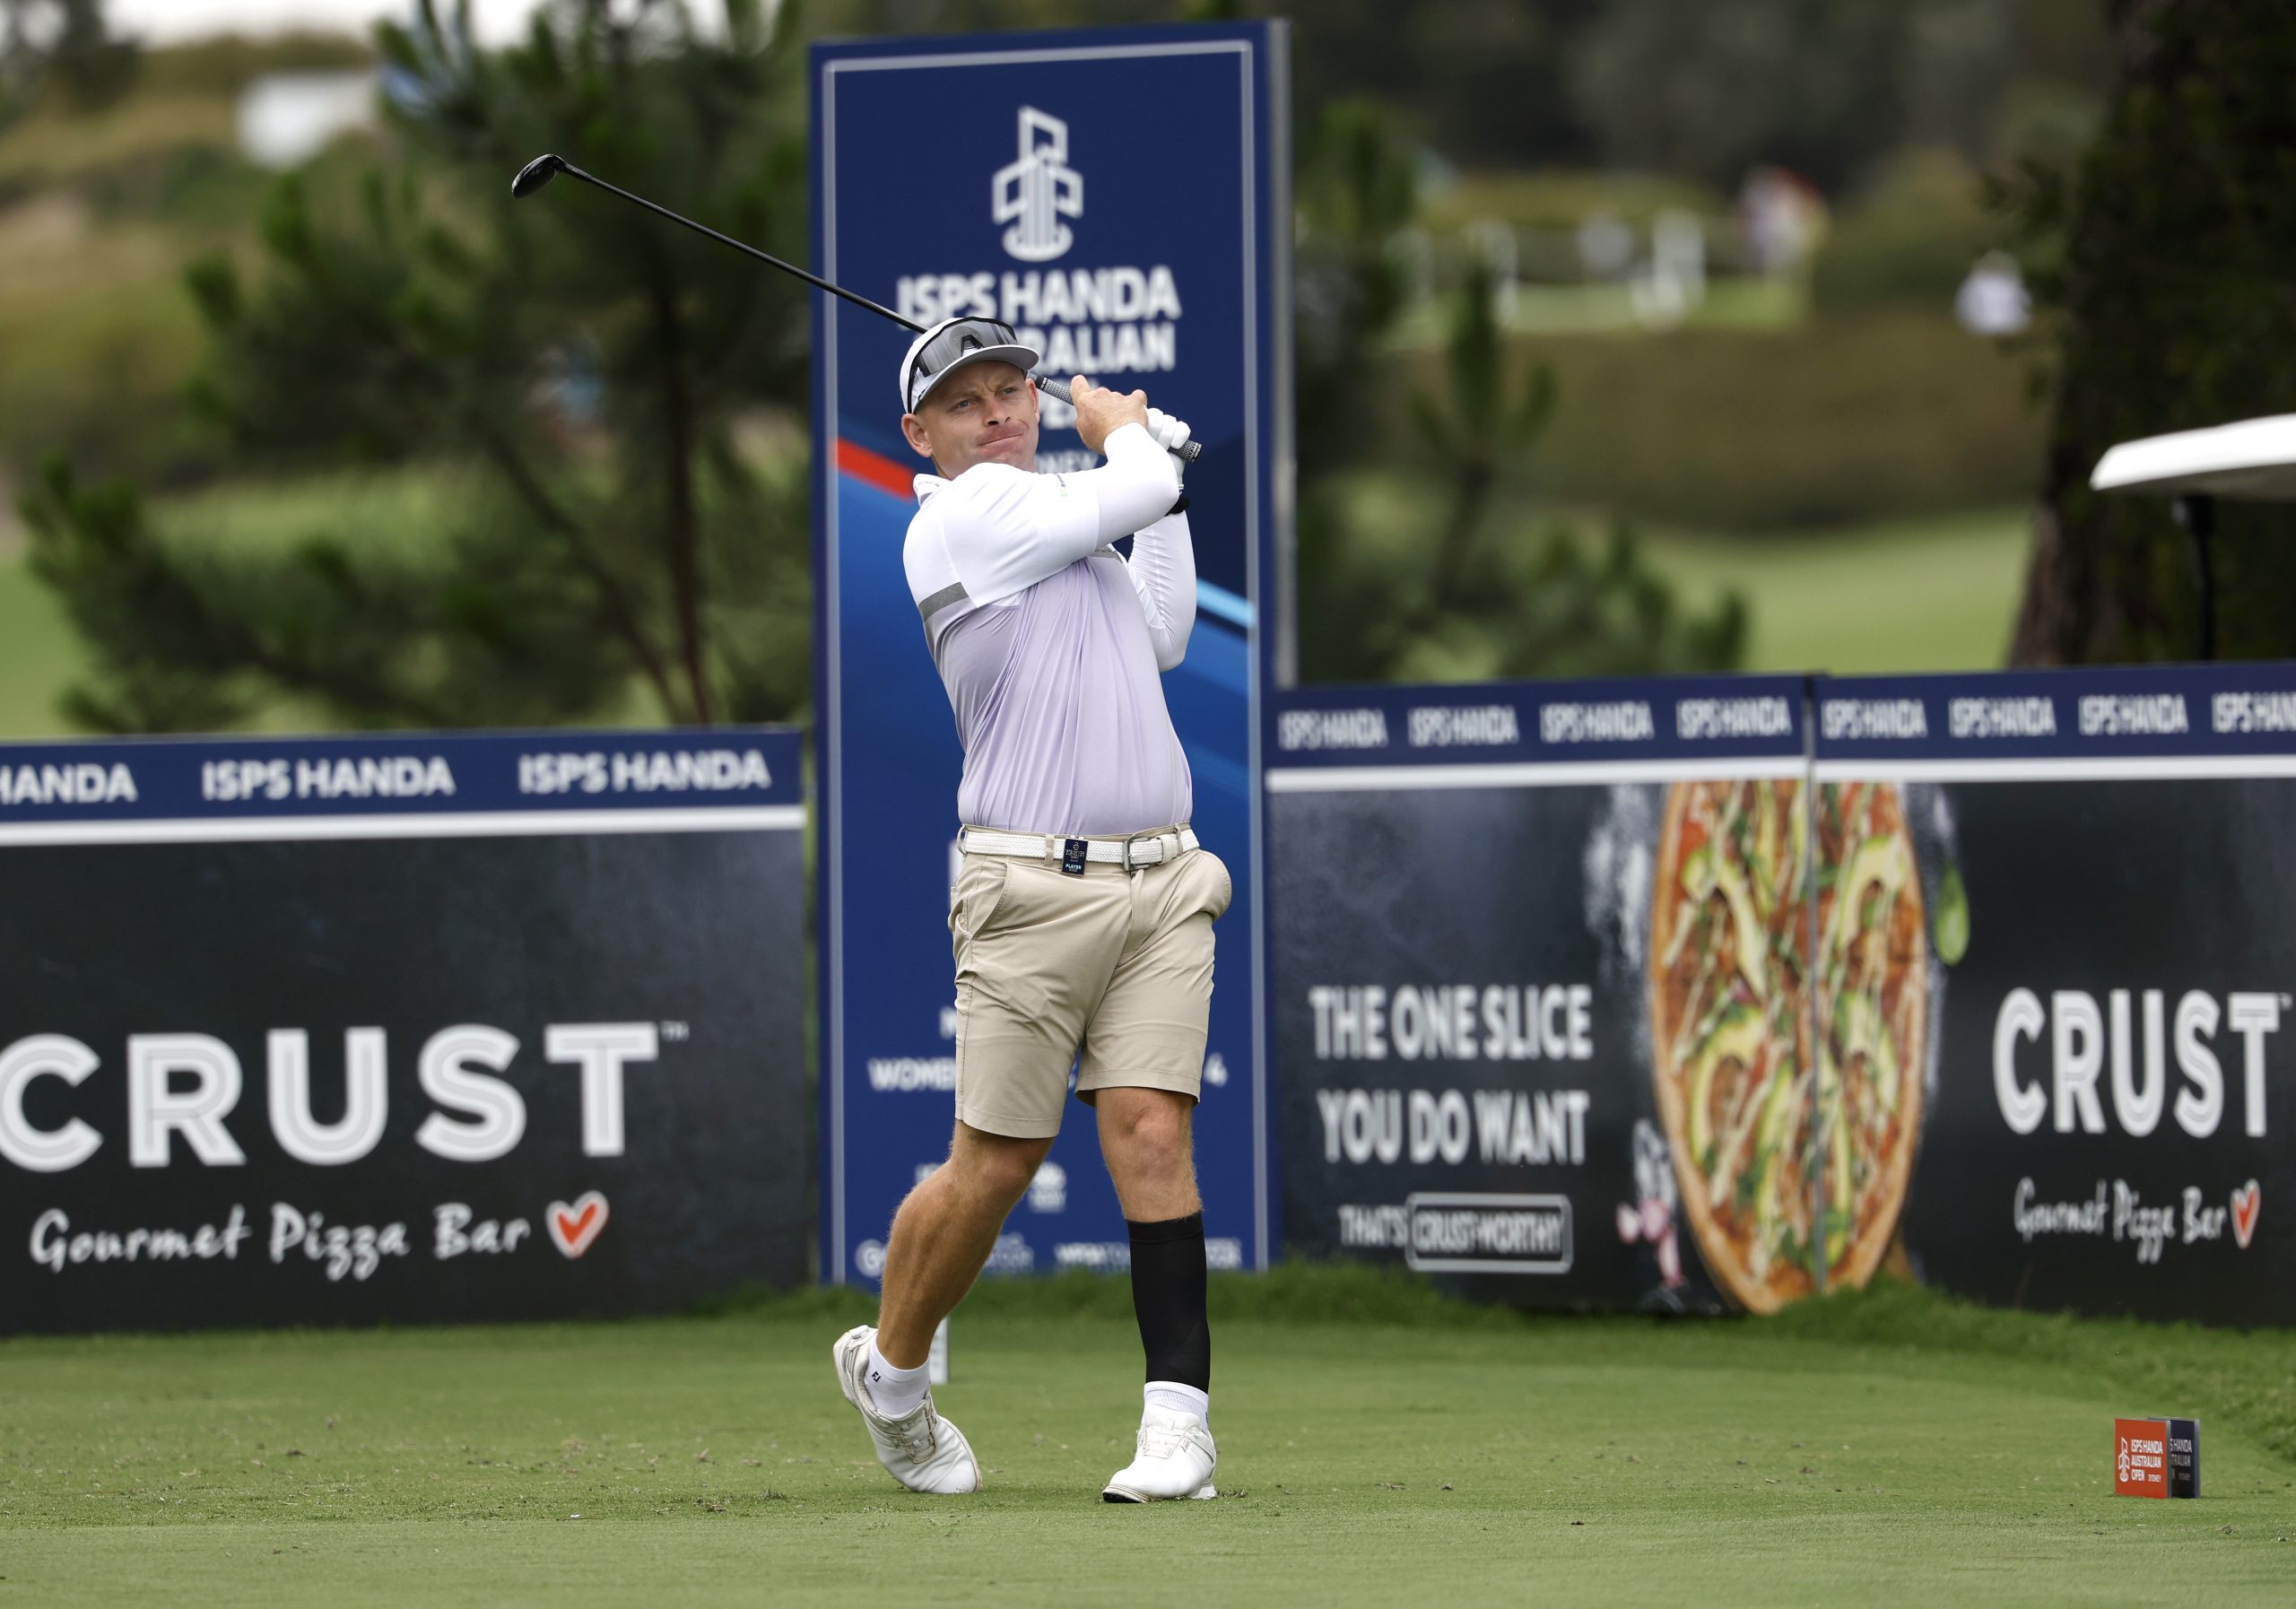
(1188, 452)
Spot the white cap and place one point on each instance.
(988, 340)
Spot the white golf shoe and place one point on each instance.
(920, 1449)
(1174, 1459)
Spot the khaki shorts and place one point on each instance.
(1115, 963)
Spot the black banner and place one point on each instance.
(1463, 923)
(1603, 997)
(258, 1072)
(2110, 1118)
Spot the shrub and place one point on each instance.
(1910, 238)
(1889, 413)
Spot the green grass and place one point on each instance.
(1920, 595)
(1936, 593)
(39, 655)
(1377, 1447)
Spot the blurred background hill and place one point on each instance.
(1635, 335)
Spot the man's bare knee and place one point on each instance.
(1157, 1145)
(995, 1166)
(1146, 1137)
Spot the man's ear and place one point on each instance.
(912, 430)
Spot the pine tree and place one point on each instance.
(583, 369)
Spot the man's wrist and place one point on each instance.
(1147, 438)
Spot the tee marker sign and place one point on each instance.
(2156, 1457)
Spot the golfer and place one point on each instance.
(1082, 918)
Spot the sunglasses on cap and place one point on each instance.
(962, 341)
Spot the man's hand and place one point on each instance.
(1101, 411)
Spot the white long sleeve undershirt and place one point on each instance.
(1008, 528)
(1163, 573)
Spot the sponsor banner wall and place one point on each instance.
(2108, 941)
(1463, 938)
(1157, 263)
(424, 1027)
(1990, 990)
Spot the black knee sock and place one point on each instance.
(1167, 1298)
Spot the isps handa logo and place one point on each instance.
(183, 1087)
(1036, 189)
(1117, 322)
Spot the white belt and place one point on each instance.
(1146, 849)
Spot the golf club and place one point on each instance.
(540, 171)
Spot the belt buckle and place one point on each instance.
(1130, 865)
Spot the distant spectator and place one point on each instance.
(1605, 245)
(1493, 241)
(1674, 282)
(1993, 299)
(1781, 219)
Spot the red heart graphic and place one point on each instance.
(2248, 1201)
(575, 1224)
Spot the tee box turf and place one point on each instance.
(2156, 1457)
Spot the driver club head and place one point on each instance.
(536, 174)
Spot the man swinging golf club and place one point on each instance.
(1081, 919)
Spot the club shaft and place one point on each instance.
(814, 280)
(1189, 451)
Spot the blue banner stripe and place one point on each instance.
(2124, 720)
(2144, 713)
(1577, 723)
(1222, 605)
(428, 775)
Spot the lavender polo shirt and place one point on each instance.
(1051, 644)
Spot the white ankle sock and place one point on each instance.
(1176, 1398)
(895, 1391)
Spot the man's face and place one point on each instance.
(985, 412)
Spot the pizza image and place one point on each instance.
(1792, 1130)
